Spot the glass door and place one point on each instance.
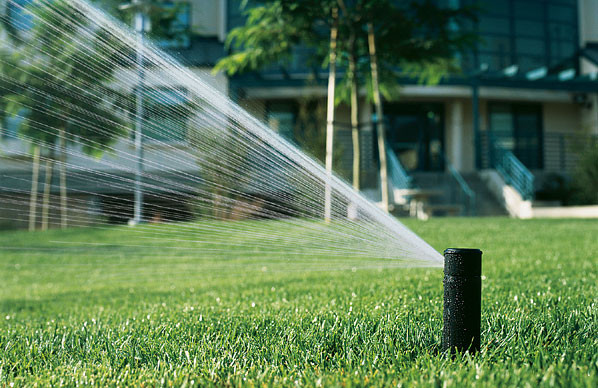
(518, 128)
(416, 134)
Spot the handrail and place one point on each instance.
(397, 173)
(469, 193)
(511, 169)
(400, 179)
(469, 197)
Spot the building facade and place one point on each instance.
(522, 105)
(515, 115)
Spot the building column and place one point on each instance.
(456, 141)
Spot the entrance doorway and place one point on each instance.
(518, 128)
(416, 134)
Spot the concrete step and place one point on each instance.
(436, 192)
(486, 204)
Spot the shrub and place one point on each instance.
(585, 179)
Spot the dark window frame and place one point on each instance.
(424, 136)
(292, 109)
(182, 35)
(549, 58)
(517, 109)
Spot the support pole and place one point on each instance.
(462, 300)
(34, 183)
(140, 27)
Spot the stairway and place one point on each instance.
(442, 200)
(486, 204)
(439, 195)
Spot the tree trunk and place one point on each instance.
(330, 115)
(380, 117)
(34, 182)
(63, 197)
(46, 197)
(355, 118)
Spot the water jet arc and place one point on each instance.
(462, 300)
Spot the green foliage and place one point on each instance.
(133, 313)
(9, 84)
(310, 130)
(161, 13)
(555, 187)
(585, 179)
(272, 30)
(414, 39)
(75, 96)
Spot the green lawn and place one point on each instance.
(76, 314)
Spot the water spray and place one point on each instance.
(462, 300)
(208, 155)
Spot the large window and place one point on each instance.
(173, 25)
(416, 134)
(19, 18)
(10, 128)
(518, 128)
(281, 117)
(527, 33)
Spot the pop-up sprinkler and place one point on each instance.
(462, 300)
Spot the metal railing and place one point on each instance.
(396, 172)
(562, 150)
(511, 169)
(458, 191)
(465, 195)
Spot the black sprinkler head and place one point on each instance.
(462, 300)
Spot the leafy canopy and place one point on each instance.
(60, 75)
(415, 39)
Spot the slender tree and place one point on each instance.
(351, 20)
(68, 101)
(10, 84)
(272, 31)
(414, 39)
(381, 136)
(56, 41)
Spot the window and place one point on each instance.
(528, 28)
(561, 13)
(493, 7)
(235, 14)
(494, 25)
(415, 133)
(496, 44)
(11, 125)
(494, 61)
(20, 18)
(165, 115)
(527, 33)
(282, 118)
(518, 128)
(530, 46)
(529, 9)
(173, 25)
